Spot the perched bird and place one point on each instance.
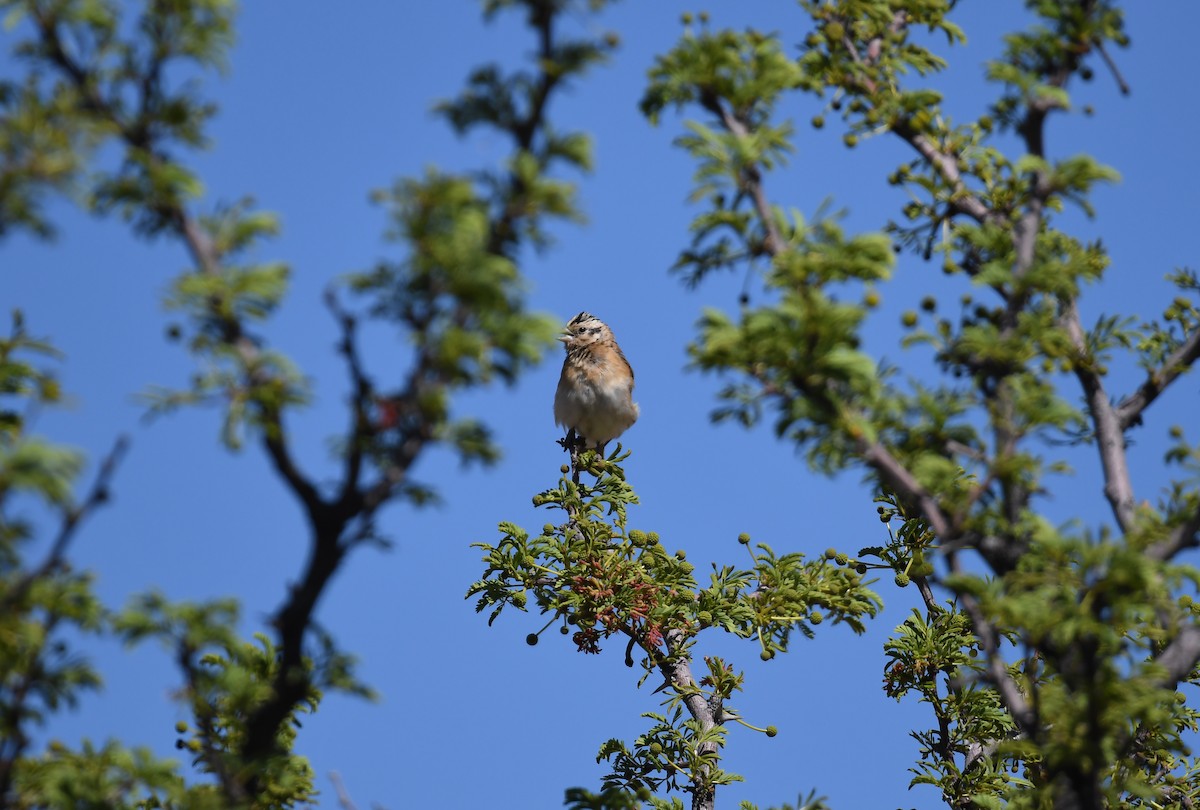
(594, 400)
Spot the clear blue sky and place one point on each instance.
(320, 107)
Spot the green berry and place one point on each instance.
(902, 580)
(772, 731)
(181, 727)
(767, 655)
(818, 121)
(744, 539)
(816, 617)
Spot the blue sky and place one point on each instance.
(320, 107)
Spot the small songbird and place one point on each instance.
(594, 400)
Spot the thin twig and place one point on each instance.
(343, 797)
(1122, 85)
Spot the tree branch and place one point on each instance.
(904, 484)
(362, 398)
(1110, 438)
(1186, 535)
(1179, 657)
(72, 518)
(677, 669)
(209, 733)
(997, 669)
(1122, 85)
(1129, 410)
(752, 179)
(962, 199)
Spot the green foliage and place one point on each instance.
(1049, 655)
(112, 85)
(108, 79)
(226, 681)
(1051, 670)
(41, 149)
(461, 301)
(596, 575)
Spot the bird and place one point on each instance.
(594, 400)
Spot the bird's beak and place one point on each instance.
(564, 337)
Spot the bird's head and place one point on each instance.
(583, 330)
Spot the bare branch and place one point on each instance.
(1129, 409)
(1122, 85)
(1110, 438)
(344, 800)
